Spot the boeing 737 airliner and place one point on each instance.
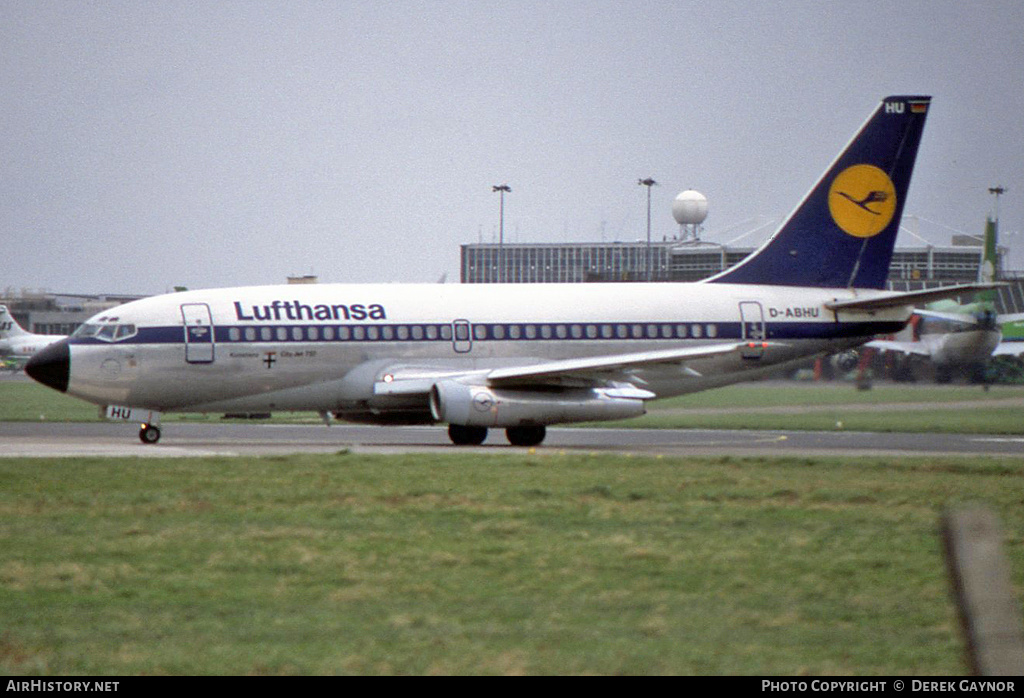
(517, 357)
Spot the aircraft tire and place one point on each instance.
(149, 434)
(526, 436)
(466, 436)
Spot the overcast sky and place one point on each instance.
(147, 145)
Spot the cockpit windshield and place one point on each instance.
(106, 332)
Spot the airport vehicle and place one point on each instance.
(518, 357)
(16, 343)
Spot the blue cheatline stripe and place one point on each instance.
(506, 332)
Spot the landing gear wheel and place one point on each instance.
(466, 436)
(149, 434)
(526, 436)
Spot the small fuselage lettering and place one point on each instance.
(775, 313)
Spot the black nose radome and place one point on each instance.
(51, 366)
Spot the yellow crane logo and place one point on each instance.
(862, 200)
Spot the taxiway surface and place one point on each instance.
(24, 439)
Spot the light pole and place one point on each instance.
(648, 183)
(998, 191)
(502, 188)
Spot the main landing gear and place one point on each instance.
(517, 436)
(466, 436)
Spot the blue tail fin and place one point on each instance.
(842, 234)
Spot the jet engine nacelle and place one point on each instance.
(845, 362)
(474, 405)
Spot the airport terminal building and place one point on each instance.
(912, 268)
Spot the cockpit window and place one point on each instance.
(88, 330)
(107, 333)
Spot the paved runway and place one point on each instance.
(20, 439)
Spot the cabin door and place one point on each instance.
(199, 345)
(752, 329)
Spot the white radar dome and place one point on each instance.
(690, 208)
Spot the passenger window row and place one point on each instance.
(480, 332)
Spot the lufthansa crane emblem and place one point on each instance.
(483, 401)
(862, 200)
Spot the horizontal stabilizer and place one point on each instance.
(896, 300)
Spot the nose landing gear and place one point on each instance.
(149, 434)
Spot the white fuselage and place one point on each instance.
(325, 347)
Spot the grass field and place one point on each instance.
(537, 564)
(454, 564)
(817, 407)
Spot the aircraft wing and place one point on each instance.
(1009, 349)
(895, 300)
(1013, 335)
(602, 368)
(589, 371)
(909, 348)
